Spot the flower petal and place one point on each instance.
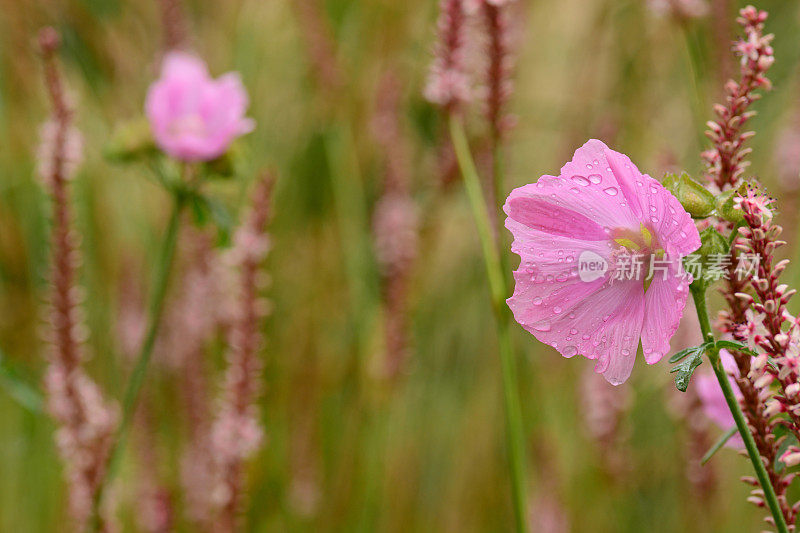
(598, 193)
(604, 324)
(664, 300)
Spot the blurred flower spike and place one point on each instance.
(194, 117)
(601, 204)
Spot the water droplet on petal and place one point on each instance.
(557, 310)
(595, 178)
(541, 326)
(537, 301)
(580, 180)
(611, 191)
(626, 351)
(573, 331)
(569, 351)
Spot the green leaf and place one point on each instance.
(18, 388)
(737, 346)
(694, 349)
(725, 437)
(685, 369)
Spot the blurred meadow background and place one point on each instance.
(336, 89)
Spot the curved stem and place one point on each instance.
(699, 295)
(491, 256)
(155, 312)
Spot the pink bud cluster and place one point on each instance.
(237, 433)
(499, 84)
(771, 330)
(680, 9)
(448, 83)
(85, 421)
(725, 162)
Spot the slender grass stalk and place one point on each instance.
(491, 256)
(498, 185)
(697, 97)
(18, 388)
(699, 295)
(134, 387)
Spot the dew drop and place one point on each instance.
(569, 351)
(574, 190)
(541, 326)
(580, 180)
(585, 337)
(611, 191)
(573, 331)
(626, 351)
(653, 208)
(595, 178)
(537, 301)
(557, 310)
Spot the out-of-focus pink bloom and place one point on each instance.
(711, 398)
(193, 116)
(600, 212)
(682, 9)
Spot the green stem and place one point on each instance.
(498, 187)
(155, 313)
(699, 295)
(513, 412)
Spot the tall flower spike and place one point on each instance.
(499, 84)
(237, 431)
(173, 25)
(85, 422)
(600, 212)
(725, 162)
(725, 169)
(394, 227)
(448, 83)
(771, 329)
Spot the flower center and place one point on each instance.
(188, 125)
(633, 254)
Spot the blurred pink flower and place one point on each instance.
(598, 212)
(194, 117)
(713, 402)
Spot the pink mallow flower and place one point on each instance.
(193, 116)
(713, 401)
(580, 237)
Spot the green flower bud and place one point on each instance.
(130, 140)
(712, 243)
(697, 201)
(726, 207)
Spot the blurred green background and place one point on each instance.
(345, 450)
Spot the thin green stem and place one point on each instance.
(498, 187)
(134, 387)
(699, 295)
(513, 412)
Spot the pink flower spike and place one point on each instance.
(194, 117)
(600, 251)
